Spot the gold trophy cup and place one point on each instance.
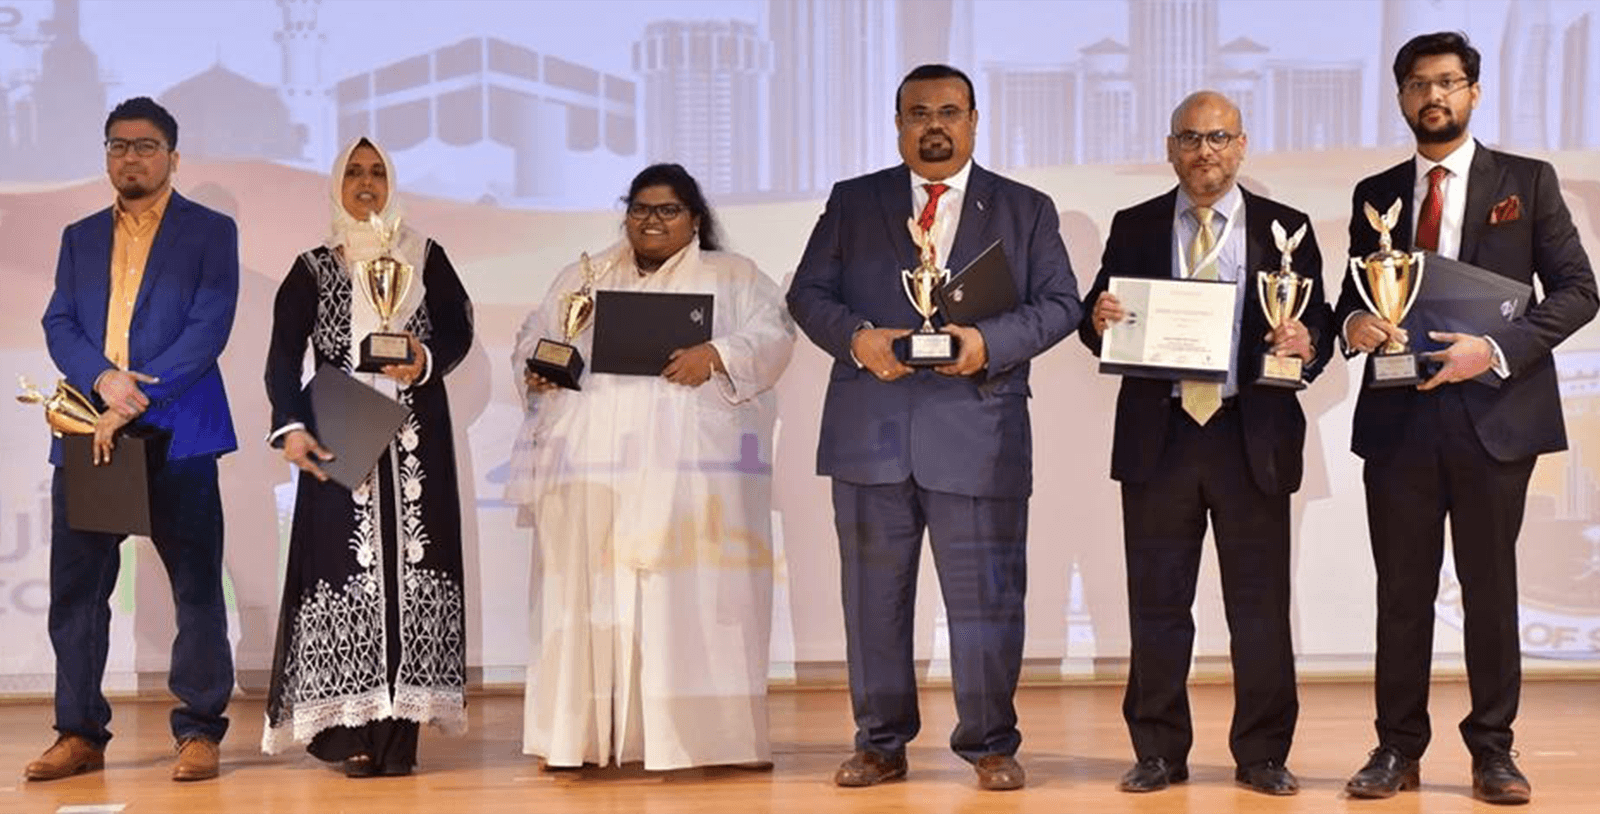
(925, 347)
(67, 411)
(560, 362)
(384, 282)
(1284, 296)
(1388, 282)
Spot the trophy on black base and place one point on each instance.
(560, 363)
(384, 282)
(1388, 282)
(1284, 296)
(925, 347)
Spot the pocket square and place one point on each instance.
(1506, 211)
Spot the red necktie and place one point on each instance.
(925, 220)
(1432, 210)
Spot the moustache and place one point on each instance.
(1440, 108)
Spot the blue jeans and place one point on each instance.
(187, 518)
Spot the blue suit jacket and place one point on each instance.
(181, 320)
(967, 436)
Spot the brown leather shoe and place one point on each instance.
(867, 768)
(999, 773)
(69, 755)
(198, 759)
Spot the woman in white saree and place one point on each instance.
(650, 499)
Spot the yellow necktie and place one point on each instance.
(1202, 400)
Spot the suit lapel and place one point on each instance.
(894, 202)
(1483, 181)
(1160, 240)
(97, 265)
(975, 206)
(166, 234)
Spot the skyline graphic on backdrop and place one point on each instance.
(773, 106)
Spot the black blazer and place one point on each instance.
(1140, 245)
(1522, 417)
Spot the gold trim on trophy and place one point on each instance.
(1284, 296)
(1388, 282)
(560, 362)
(67, 411)
(926, 346)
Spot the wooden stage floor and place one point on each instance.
(1074, 750)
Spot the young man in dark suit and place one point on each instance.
(144, 299)
(1452, 445)
(945, 449)
(1229, 451)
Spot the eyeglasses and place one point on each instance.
(950, 115)
(1448, 84)
(142, 147)
(666, 211)
(1189, 140)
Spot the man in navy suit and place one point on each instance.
(144, 299)
(1229, 452)
(947, 449)
(1454, 445)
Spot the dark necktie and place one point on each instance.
(1432, 210)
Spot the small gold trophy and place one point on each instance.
(384, 281)
(67, 411)
(1388, 282)
(926, 347)
(560, 362)
(1284, 296)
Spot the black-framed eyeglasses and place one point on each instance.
(1189, 140)
(947, 115)
(142, 147)
(1421, 87)
(666, 211)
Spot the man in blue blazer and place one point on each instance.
(144, 300)
(947, 449)
(1454, 445)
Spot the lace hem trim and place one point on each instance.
(445, 709)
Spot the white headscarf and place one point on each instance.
(359, 242)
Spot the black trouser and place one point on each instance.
(1203, 474)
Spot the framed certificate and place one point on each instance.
(1175, 329)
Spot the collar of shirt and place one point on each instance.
(142, 222)
(957, 183)
(1458, 162)
(1229, 259)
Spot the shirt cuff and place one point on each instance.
(427, 368)
(1344, 329)
(275, 435)
(1500, 367)
(865, 324)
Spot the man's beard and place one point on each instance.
(933, 151)
(1451, 130)
(135, 190)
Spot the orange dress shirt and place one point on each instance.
(130, 250)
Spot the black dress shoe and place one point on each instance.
(360, 766)
(868, 768)
(1267, 777)
(1387, 771)
(1495, 779)
(1153, 774)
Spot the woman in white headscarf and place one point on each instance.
(371, 634)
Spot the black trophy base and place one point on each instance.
(1287, 372)
(927, 349)
(379, 350)
(558, 363)
(1394, 370)
(113, 498)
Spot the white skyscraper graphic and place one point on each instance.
(1171, 47)
(1524, 75)
(1402, 20)
(1580, 120)
(305, 92)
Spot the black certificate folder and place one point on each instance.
(982, 290)
(1463, 298)
(635, 332)
(353, 421)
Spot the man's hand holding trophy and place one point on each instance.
(1284, 296)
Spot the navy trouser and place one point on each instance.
(187, 524)
(980, 551)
